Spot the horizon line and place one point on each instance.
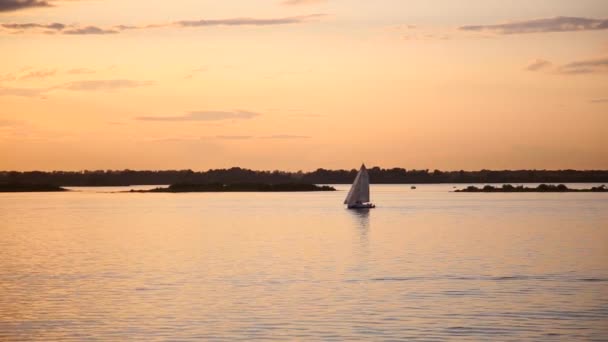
(305, 171)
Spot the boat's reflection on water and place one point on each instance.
(361, 218)
(361, 242)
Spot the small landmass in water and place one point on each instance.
(540, 188)
(243, 187)
(28, 187)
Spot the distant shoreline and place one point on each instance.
(293, 187)
(238, 175)
(244, 187)
(26, 187)
(183, 188)
(540, 188)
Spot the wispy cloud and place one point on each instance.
(15, 5)
(538, 64)
(301, 2)
(53, 28)
(400, 27)
(89, 30)
(104, 85)
(586, 66)
(285, 136)
(80, 71)
(247, 21)
(38, 74)
(204, 116)
(73, 29)
(555, 24)
(275, 136)
(23, 92)
(234, 137)
(29, 26)
(30, 74)
(8, 77)
(605, 100)
(89, 85)
(583, 66)
(178, 139)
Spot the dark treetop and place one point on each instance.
(320, 176)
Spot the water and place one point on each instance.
(427, 264)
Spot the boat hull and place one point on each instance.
(362, 206)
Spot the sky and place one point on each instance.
(303, 84)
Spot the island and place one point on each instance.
(240, 187)
(540, 188)
(29, 187)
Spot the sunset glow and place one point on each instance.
(296, 84)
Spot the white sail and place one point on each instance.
(359, 192)
(364, 195)
(354, 192)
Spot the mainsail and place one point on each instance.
(359, 192)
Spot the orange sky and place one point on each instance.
(271, 84)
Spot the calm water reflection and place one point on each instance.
(426, 264)
(361, 222)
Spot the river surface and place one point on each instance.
(427, 264)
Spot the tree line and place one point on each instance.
(237, 175)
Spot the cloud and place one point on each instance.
(174, 139)
(538, 64)
(203, 116)
(89, 30)
(247, 137)
(285, 136)
(80, 71)
(23, 92)
(586, 66)
(234, 137)
(104, 85)
(55, 28)
(247, 21)
(15, 5)
(28, 26)
(400, 27)
(29, 73)
(38, 74)
(301, 2)
(7, 77)
(59, 28)
(555, 24)
(90, 85)
(599, 100)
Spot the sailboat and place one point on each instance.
(358, 196)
